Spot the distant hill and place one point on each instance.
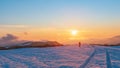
(31, 44)
(43, 44)
(106, 42)
(114, 40)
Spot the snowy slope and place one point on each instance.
(61, 57)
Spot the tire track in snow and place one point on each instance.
(111, 48)
(88, 59)
(108, 60)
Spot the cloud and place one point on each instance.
(9, 37)
(25, 33)
(8, 40)
(13, 26)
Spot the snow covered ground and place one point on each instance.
(61, 57)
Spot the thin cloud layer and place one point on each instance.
(13, 26)
(9, 40)
(8, 37)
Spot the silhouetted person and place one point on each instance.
(79, 44)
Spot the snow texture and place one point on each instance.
(61, 57)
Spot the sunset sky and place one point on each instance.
(60, 20)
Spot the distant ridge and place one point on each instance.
(31, 44)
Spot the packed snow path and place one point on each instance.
(108, 60)
(88, 59)
(61, 57)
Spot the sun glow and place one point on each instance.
(74, 32)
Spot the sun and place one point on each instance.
(74, 32)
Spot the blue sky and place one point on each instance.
(91, 15)
(43, 12)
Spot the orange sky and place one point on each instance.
(59, 34)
